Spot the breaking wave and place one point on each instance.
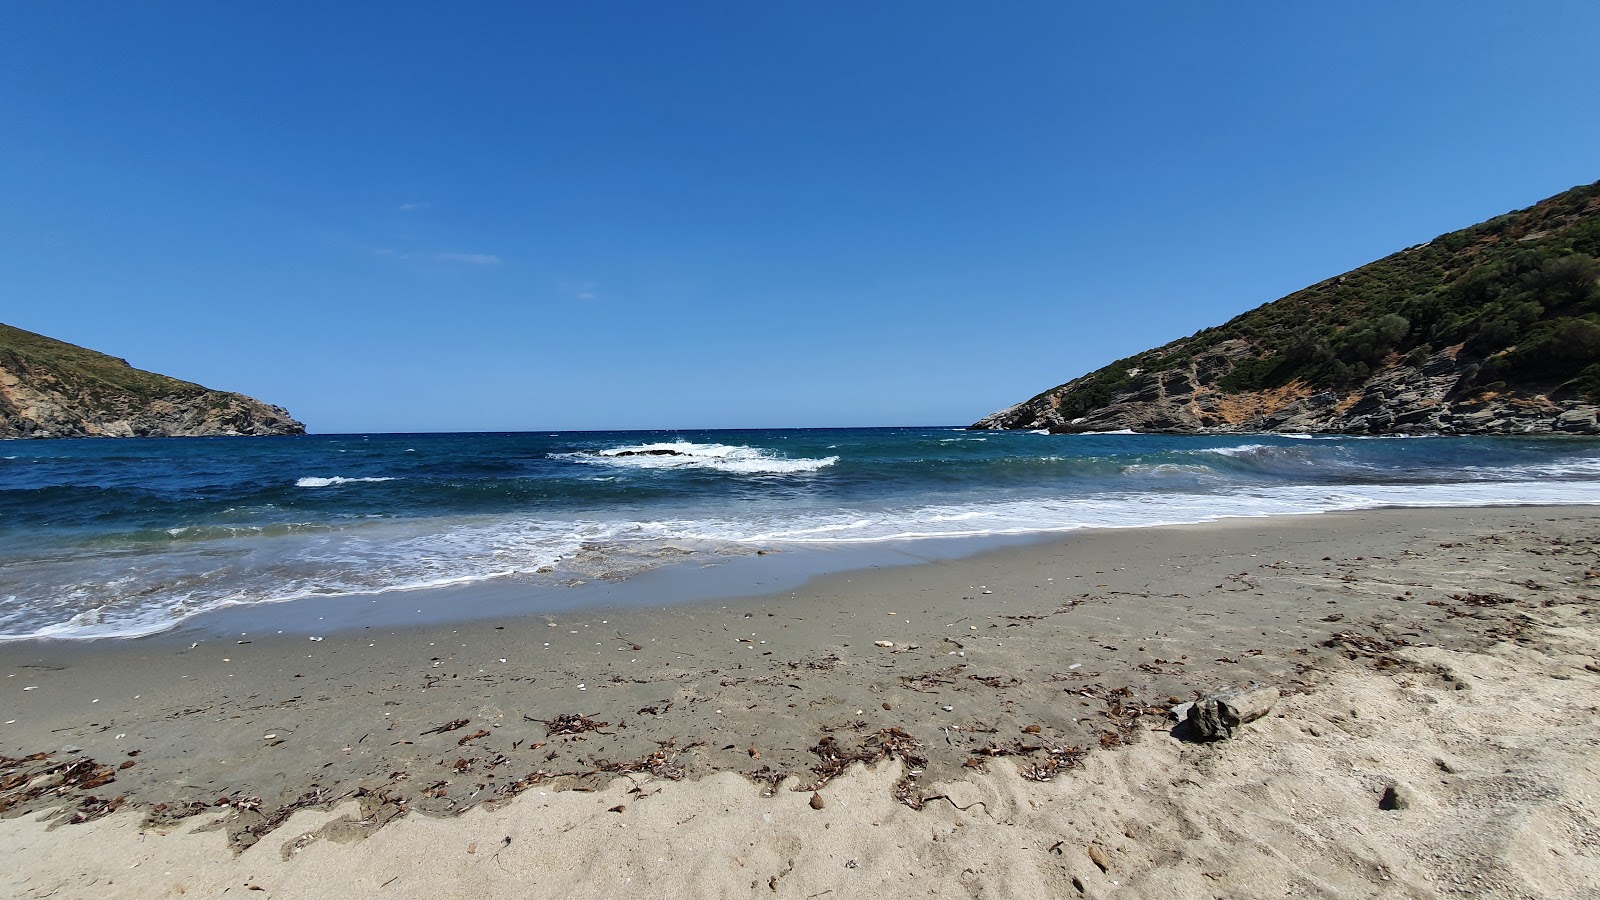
(122, 539)
(332, 481)
(1242, 450)
(728, 458)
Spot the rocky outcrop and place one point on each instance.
(49, 388)
(1417, 397)
(1493, 329)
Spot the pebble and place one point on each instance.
(1099, 858)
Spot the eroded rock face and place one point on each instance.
(1403, 398)
(213, 414)
(50, 388)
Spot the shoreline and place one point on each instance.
(708, 579)
(1001, 662)
(717, 576)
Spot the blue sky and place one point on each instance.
(409, 217)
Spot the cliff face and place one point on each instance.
(1404, 398)
(1494, 329)
(49, 388)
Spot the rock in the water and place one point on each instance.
(1218, 716)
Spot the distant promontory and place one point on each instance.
(1494, 329)
(50, 388)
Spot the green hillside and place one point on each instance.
(50, 388)
(1514, 298)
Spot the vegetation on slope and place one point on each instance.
(87, 392)
(1517, 292)
(91, 373)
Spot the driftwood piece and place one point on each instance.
(1218, 716)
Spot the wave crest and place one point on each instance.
(728, 458)
(314, 482)
(1243, 450)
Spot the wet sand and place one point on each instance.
(1011, 676)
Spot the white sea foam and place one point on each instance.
(185, 570)
(1136, 510)
(728, 458)
(1118, 431)
(388, 556)
(314, 482)
(1168, 469)
(1241, 450)
(1581, 467)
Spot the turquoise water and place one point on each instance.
(129, 537)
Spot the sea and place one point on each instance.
(129, 537)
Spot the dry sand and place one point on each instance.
(1452, 655)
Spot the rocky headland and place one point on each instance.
(1494, 329)
(50, 388)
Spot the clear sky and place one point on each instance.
(417, 217)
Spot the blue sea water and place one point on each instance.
(118, 538)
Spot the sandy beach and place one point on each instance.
(996, 725)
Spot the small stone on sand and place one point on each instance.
(1099, 858)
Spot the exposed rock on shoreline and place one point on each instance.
(1419, 397)
(655, 452)
(49, 388)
